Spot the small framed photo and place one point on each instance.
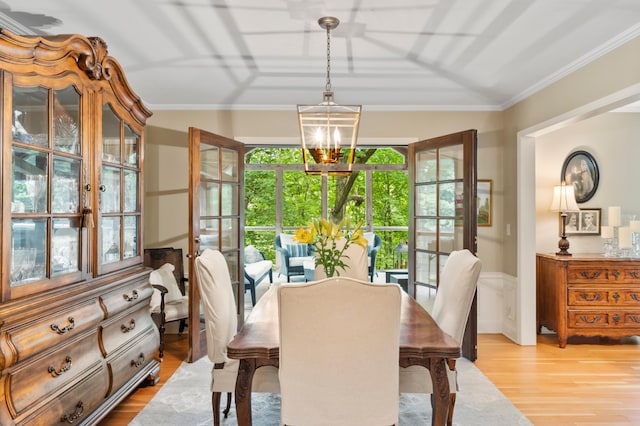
(582, 222)
(484, 202)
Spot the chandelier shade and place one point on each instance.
(329, 131)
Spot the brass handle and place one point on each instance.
(63, 330)
(131, 326)
(70, 418)
(593, 298)
(139, 362)
(66, 367)
(134, 296)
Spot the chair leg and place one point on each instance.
(452, 403)
(226, 410)
(215, 405)
(253, 295)
(161, 330)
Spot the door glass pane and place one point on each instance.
(29, 185)
(209, 162)
(447, 235)
(229, 165)
(451, 162)
(447, 199)
(65, 186)
(229, 233)
(209, 199)
(30, 115)
(110, 197)
(110, 135)
(426, 166)
(426, 267)
(209, 234)
(110, 239)
(130, 191)
(233, 261)
(28, 250)
(65, 246)
(426, 200)
(130, 247)
(425, 233)
(131, 141)
(229, 199)
(66, 113)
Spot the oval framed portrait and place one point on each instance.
(581, 170)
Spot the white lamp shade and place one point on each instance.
(564, 199)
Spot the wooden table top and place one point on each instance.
(420, 336)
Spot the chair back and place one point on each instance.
(355, 259)
(339, 351)
(216, 293)
(455, 293)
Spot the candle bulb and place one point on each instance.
(634, 225)
(614, 216)
(606, 232)
(624, 236)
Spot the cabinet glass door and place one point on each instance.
(119, 192)
(46, 190)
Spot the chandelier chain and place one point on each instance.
(328, 85)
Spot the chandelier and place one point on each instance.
(329, 131)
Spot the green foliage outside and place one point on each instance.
(302, 200)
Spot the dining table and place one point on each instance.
(422, 342)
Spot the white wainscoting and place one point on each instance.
(497, 308)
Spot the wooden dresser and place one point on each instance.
(588, 295)
(76, 335)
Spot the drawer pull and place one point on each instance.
(139, 362)
(634, 318)
(635, 297)
(66, 367)
(634, 274)
(615, 273)
(616, 319)
(70, 418)
(616, 296)
(593, 276)
(134, 296)
(131, 326)
(57, 329)
(586, 319)
(593, 298)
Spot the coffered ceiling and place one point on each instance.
(385, 55)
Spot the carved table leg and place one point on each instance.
(440, 395)
(243, 391)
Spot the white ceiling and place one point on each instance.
(385, 55)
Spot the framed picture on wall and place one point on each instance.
(581, 170)
(582, 222)
(484, 202)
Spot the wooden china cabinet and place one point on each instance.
(76, 335)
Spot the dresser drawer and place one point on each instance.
(33, 381)
(119, 330)
(53, 330)
(138, 291)
(585, 274)
(594, 296)
(125, 365)
(73, 405)
(604, 318)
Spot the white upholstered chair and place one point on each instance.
(355, 259)
(450, 311)
(216, 292)
(339, 353)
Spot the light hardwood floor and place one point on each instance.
(590, 382)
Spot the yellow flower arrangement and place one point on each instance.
(324, 236)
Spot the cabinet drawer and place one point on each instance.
(118, 331)
(53, 330)
(603, 274)
(607, 319)
(603, 297)
(49, 374)
(76, 403)
(127, 296)
(125, 365)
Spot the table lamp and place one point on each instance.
(564, 200)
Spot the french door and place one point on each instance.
(216, 176)
(442, 212)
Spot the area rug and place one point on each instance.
(185, 400)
